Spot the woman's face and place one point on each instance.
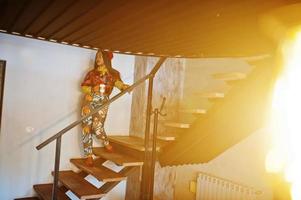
(99, 59)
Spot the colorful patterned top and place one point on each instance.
(95, 78)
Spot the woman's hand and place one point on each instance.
(125, 86)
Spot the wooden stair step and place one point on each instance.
(132, 142)
(45, 192)
(229, 76)
(79, 186)
(98, 171)
(177, 125)
(121, 159)
(212, 95)
(167, 136)
(193, 111)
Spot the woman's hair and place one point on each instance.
(107, 57)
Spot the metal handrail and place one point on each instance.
(130, 88)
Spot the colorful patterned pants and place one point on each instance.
(94, 125)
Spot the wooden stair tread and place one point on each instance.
(132, 142)
(45, 192)
(229, 76)
(79, 186)
(98, 171)
(177, 125)
(212, 95)
(120, 159)
(167, 136)
(194, 111)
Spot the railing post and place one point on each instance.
(145, 189)
(154, 153)
(146, 171)
(56, 168)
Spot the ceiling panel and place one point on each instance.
(188, 28)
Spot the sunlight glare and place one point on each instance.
(285, 154)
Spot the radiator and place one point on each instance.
(211, 187)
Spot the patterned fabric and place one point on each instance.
(94, 125)
(94, 78)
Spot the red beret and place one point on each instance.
(110, 55)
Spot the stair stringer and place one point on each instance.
(243, 110)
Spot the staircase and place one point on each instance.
(199, 140)
(190, 116)
(127, 155)
(232, 116)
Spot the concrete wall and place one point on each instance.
(168, 83)
(42, 96)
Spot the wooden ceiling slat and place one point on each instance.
(83, 7)
(35, 14)
(57, 16)
(11, 10)
(3, 8)
(29, 13)
(55, 8)
(24, 5)
(85, 21)
(78, 23)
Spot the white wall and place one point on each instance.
(42, 96)
(243, 163)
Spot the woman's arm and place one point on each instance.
(86, 84)
(120, 85)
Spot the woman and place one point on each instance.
(97, 87)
